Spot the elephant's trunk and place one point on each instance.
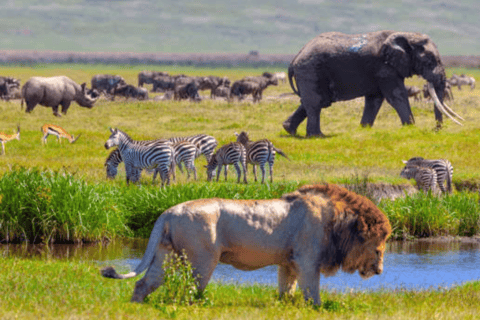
(441, 106)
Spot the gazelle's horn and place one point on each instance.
(76, 138)
(439, 105)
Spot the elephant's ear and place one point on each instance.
(397, 52)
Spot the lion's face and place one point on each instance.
(367, 258)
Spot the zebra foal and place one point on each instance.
(259, 153)
(158, 156)
(426, 178)
(443, 168)
(231, 153)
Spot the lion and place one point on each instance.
(315, 230)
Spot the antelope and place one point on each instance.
(4, 138)
(51, 129)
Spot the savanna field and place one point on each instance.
(59, 192)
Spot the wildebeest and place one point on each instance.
(148, 76)
(129, 91)
(186, 91)
(163, 84)
(241, 88)
(54, 91)
(462, 80)
(414, 92)
(8, 85)
(107, 83)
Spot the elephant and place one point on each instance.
(54, 91)
(336, 67)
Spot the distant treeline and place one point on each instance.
(252, 59)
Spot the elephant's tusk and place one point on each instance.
(438, 104)
(452, 112)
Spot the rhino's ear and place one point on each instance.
(83, 86)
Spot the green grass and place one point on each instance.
(52, 289)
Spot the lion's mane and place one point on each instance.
(354, 221)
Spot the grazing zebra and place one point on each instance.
(205, 143)
(4, 138)
(158, 156)
(426, 178)
(54, 130)
(259, 152)
(115, 158)
(442, 167)
(231, 153)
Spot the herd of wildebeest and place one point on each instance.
(175, 87)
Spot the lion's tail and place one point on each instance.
(153, 241)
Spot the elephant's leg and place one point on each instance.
(292, 123)
(153, 277)
(396, 94)
(287, 280)
(372, 106)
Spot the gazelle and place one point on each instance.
(51, 129)
(4, 138)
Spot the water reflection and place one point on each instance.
(408, 265)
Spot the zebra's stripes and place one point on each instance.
(156, 155)
(205, 143)
(442, 167)
(231, 153)
(185, 152)
(259, 153)
(425, 177)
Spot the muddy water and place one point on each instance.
(408, 265)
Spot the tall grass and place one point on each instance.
(45, 206)
(42, 206)
(424, 215)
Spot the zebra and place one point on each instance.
(425, 177)
(205, 143)
(54, 130)
(259, 152)
(4, 138)
(158, 156)
(185, 152)
(115, 158)
(442, 167)
(231, 153)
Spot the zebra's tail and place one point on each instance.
(449, 179)
(280, 152)
(156, 236)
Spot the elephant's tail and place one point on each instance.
(291, 74)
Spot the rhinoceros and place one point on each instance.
(55, 91)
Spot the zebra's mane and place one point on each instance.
(125, 135)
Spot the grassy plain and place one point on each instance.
(61, 289)
(347, 150)
(52, 289)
